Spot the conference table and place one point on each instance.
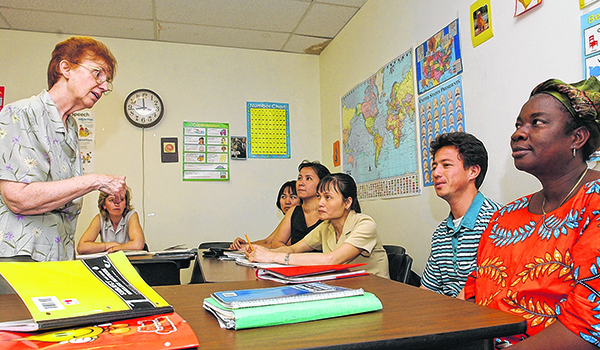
(411, 318)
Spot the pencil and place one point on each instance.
(249, 244)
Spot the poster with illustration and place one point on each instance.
(87, 136)
(205, 151)
(522, 6)
(439, 58)
(590, 35)
(440, 111)
(481, 22)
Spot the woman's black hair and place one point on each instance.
(319, 168)
(289, 184)
(343, 184)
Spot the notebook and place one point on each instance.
(236, 299)
(310, 273)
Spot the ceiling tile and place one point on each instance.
(325, 20)
(229, 37)
(353, 3)
(80, 25)
(270, 15)
(306, 44)
(140, 9)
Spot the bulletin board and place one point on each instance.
(268, 130)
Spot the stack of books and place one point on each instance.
(102, 301)
(251, 308)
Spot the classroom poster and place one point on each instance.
(86, 131)
(238, 147)
(1, 97)
(205, 151)
(481, 22)
(439, 58)
(590, 24)
(379, 132)
(522, 6)
(440, 111)
(268, 130)
(584, 3)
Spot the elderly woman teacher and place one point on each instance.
(539, 256)
(41, 177)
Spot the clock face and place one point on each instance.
(144, 108)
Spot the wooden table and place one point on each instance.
(411, 318)
(215, 270)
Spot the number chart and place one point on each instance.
(268, 130)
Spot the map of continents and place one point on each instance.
(378, 124)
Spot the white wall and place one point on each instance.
(196, 83)
(497, 78)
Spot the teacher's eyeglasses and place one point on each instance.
(100, 76)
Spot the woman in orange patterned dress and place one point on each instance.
(539, 256)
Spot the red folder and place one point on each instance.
(309, 273)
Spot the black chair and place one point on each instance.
(206, 245)
(400, 265)
(158, 272)
(196, 271)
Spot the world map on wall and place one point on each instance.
(378, 132)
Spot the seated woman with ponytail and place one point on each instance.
(345, 236)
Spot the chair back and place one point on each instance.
(400, 265)
(159, 272)
(206, 245)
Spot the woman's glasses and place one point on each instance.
(100, 76)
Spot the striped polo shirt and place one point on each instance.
(454, 249)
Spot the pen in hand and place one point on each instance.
(248, 241)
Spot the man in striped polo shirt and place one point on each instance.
(459, 165)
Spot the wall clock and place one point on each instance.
(144, 108)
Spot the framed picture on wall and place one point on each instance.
(481, 22)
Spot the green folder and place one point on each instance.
(273, 315)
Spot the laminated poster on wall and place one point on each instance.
(481, 22)
(590, 25)
(379, 134)
(206, 147)
(522, 6)
(268, 130)
(1, 97)
(439, 58)
(584, 3)
(441, 110)
(86, 131)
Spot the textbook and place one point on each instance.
(236, 299)
(79, 292)
(152, 332)
(272, 315)
(310, 273)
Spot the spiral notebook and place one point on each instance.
(237, 299)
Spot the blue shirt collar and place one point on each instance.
(470, 217)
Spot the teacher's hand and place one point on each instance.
(113, 185)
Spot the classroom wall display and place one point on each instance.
(205, 151)
(378, 132)
(440, 111)
(1, 97)
(584, 3)
(268, 130)
(238, 147)
(86, 130)
(590, 35)
(522, 6)
(439, 58)
(481, 22)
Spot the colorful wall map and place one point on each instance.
(439, 59)
(378, 132)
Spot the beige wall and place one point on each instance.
(498, 76)
(196, 83)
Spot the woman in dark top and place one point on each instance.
(300, 220)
